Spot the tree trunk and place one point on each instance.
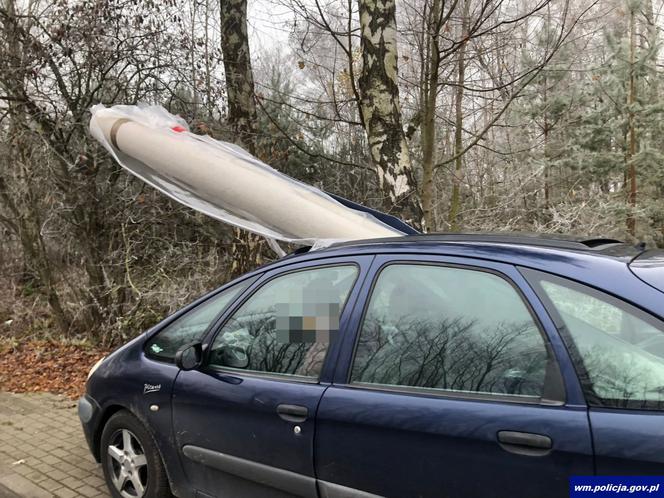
(381, 110)
(246, 249)
(239, 75)
(455, 202)
(547, 187)
(631, 146)
(428, 112)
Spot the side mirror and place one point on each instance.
(189, 356)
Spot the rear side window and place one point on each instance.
(618, 350)
(191, 326)
(451, 329)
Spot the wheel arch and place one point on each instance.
(111, 410)
(106, 415)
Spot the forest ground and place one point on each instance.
(51, 366)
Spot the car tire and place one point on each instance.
(130, 460)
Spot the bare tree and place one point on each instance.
(241, 116)
(381, 109)
(458, 122)
(631, 125)
(239, 76)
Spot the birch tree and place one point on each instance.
(381, 109)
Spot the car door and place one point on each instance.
(450, 388)
(158, 372)
(244, 422)
(616, 349)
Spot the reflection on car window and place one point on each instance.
(286, 326)
(620, 355)
(451, 329)
(191, 326)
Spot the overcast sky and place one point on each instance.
(268, 23)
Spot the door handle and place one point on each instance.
(293, 413)
(525, 443)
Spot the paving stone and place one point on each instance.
(51, 459)
(79, 473)
(59, 452)
(94, 481)
(66, 467)
(89, 491)
(22, 469)
(44, 432)
(56, 474)
(23, 487)
(44, 468)
(50, 484)
(65, 493)
(36, 476)
(71, 482)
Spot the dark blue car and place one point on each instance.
(421, 366)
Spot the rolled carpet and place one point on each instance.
(224, 181)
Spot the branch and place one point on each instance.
(563, 36)
(315, 155)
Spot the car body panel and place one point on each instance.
(366, 436)
(409, 445)
(649, 267)
(246, 426)
(625, 441)
(246, 404)
(130, 380)
(628, 442)
(120, 383)
(376, 425)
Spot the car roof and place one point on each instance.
(599, 262)
(602, 245)
(562, 255)
(503, 245)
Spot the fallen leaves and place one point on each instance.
(47, 366)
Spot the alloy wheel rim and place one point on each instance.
(127, 465)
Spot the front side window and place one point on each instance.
(191, 326)
(450, 329)
(285, 327)
(618, 350)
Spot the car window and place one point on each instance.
(285, 327)
(191, 326)
(618, 350)
(452, 329)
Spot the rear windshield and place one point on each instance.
(649, 267)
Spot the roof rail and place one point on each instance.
(535, 239)
(554, 241)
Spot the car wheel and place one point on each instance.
(130, 460)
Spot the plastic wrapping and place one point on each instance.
(224, 181)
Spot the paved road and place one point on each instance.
(43, 453)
